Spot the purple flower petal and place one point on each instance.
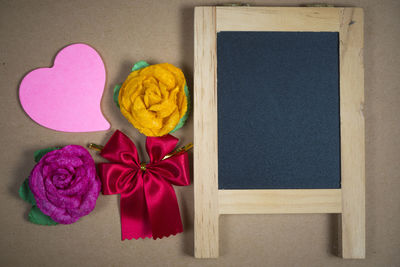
(65, 184)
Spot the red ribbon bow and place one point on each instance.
(148, 202)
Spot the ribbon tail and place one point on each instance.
(135, 221)
(162, 205)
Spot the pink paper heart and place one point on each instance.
(67, 96)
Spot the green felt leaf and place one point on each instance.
(25, 192)
(140, 65)
(38, 217)
(41, 152)
(116, 94)
(184, 118)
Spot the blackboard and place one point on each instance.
(278, 110)
(278, 118)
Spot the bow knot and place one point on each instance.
(149, 207)
(143, 166)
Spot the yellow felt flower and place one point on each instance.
(153, 99)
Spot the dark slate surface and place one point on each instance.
(278, 110)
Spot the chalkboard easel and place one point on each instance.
(343, 190)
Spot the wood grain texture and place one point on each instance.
(205, 153)
(352, 132)
(280, 201)
(277, 19)
(350, 200)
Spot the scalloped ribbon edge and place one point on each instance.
(151, 237)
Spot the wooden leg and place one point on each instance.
(352, 133)
(205, 136)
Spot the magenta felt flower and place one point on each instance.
(64, 184)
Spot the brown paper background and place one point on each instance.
(32, 32)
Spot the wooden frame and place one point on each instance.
(349, 201)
